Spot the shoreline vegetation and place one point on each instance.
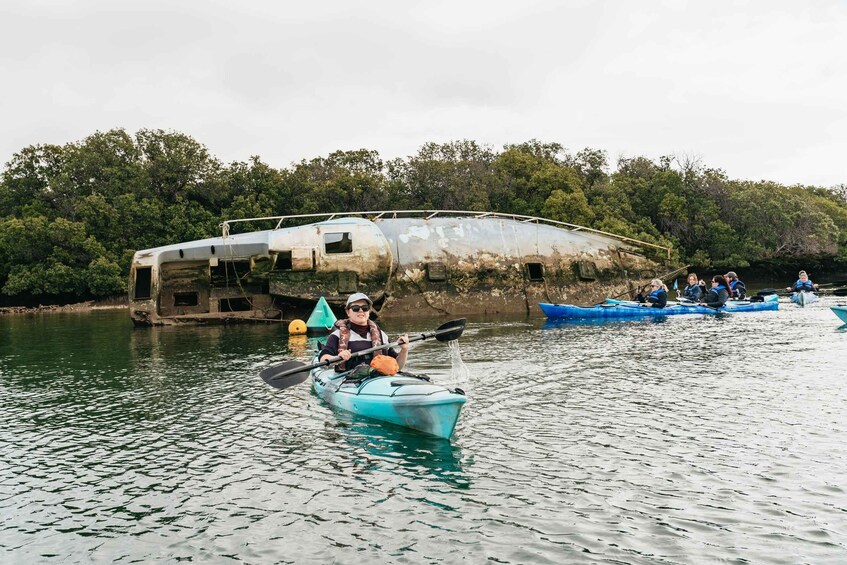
(71, 216)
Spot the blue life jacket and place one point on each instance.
(720, 286)
(656, 293)
(808, 286)
(693, 291)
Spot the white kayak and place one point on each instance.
(804, 298)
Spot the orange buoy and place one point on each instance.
(297, 327)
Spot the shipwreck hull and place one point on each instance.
(410, 264)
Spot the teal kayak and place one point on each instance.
(840, 310)
(404, 400)
(804, 298)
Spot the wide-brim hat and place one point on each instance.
(355, 297)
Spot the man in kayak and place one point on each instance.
(658, 297)
(719, 293)
(358, 332)
(803, 284)
(737, 289)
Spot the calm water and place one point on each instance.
(688, 440)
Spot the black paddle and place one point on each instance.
(643, 287)
(685, 302)
(290, 373)
(834, 283)
(769, 291)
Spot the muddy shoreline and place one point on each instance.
(87, 306)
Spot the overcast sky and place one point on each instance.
(758, 89)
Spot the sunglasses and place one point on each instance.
(356, 308)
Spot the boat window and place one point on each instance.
(587, 270)
(283, 261)
(227, 273)
(338, 243)
(535, 271)
(143, 280)
(234, 305)
(186, 299)
(436, 272)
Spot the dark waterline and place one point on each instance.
(684, 440)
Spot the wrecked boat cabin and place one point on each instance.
(411, 263)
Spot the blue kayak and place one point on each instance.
(804, 298)
(404, 400)
(731, 305)
(625, 310)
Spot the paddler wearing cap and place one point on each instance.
(358, 332)
(737, 289)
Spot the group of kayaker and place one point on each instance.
(723, 288)
(358, 332)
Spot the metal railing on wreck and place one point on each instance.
(429, 214)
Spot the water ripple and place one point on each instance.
(689, 440)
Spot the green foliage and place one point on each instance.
(71, 216)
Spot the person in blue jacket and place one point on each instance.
(803, 284)
(658, 297)
(737, 289)
(719, 293)
(693, 291)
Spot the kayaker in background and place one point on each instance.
(719, 293)
(737, 289)
(358, 332)
(694, 290)
(658, 297)
(803, 284)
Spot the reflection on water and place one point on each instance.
(393, 448)
(687, 440)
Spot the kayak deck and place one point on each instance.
(404, 400)
(804, 298)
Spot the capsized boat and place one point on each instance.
(840, 310)
(412, 401)
(804, 298)
(636, 310)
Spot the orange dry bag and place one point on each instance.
(385, 365)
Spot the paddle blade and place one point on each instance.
(286, 374)
(840, 292)
(451, 330)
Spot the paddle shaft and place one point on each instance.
(333, 360)
(640, 286)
